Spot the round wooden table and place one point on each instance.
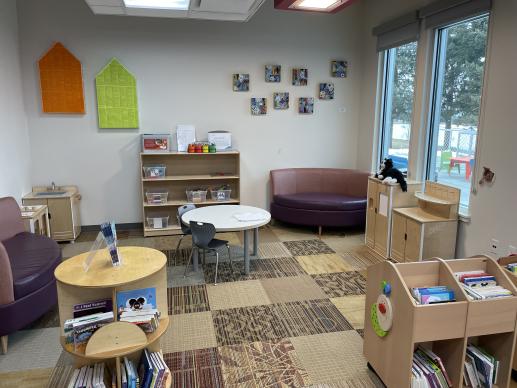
(224, 220)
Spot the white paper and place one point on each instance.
(221, 139)
(185, 135)
(157, 223)
(383, 205)
(248, 217)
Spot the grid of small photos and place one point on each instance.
(299, 77)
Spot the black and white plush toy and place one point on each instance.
(389, 174)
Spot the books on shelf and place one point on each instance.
(432, 295)
(79, 330)
(153, 371)
(91, 376)
(480, 368)
(479, 285)
(94, 307)
(428, 370)
(139, 307)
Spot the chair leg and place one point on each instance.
(320, 229)
(188, 262)
(230, 256)
(4, 344)
(177, 248)
(216, 266)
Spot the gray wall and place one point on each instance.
(183, 70)
(14, 137)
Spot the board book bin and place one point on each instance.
(445, 328)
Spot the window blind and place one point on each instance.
(444, 12)
(397, 32)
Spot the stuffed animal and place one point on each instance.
(389, 174)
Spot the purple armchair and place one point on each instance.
(319, 196)
(27, 263)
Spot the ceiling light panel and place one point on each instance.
(317, 4)
(181, 5)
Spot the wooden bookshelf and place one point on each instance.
(445, 328)
(140, 268)
(378, 217)
(186, 171)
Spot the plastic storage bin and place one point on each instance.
(196, 196)
(158, 221)
(157, 197)
(154, 171)
(221, 195)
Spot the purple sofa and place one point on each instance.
(27, 263)
(319, 196)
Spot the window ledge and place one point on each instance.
(464, 215)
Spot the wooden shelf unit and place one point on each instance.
(186, 171)
(141, 268)
(378, 220)
(444, 328)
(428, 230)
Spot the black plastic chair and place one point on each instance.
(185, 229)
(203, 239)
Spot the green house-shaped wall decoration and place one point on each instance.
(116, 97)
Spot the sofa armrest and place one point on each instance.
(6, 277)
(283, 182)
(11, 223)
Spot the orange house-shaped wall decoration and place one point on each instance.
(61, 81)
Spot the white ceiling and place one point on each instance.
(231, 10)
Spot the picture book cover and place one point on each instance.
(94, 307)
(133, 300)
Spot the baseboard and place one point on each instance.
(128, 226)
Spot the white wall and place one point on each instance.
(183, 71)
(14, 137)
(493, 209)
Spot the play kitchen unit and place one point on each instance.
(63, 209)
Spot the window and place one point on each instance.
(458, 81)
(399, 82)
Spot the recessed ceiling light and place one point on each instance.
(317, 4)
(181, 5)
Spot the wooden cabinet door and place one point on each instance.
(60, 212)
(398, 237)
(371, 210)
(413, 240)
(381, 222)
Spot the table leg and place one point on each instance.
(467, 170)
(246, 253)
(195, 257)
(255, 241)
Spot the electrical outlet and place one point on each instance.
(512, 250)
(494, 247)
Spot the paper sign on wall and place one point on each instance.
(383, 205)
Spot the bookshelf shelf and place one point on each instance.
(445, 328)
(186, 171)
(141, 268)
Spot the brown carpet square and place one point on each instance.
(189, 332)
(324, 263)
(187, 299)
(237, 294)
(307, 247)
(352, 308)
(263, 364)
(195, 368)
(341, 284)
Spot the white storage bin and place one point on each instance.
(196, 196)
(154, 171)
(158, 222)
(156, 197)
(221, 195)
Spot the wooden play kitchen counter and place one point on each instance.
(140, 268)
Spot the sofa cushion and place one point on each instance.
(320, 201)
(33, 260)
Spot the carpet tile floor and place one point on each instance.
(295, 321)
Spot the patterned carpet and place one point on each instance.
(295, 321)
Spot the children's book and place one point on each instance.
(134, 300)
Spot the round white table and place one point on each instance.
(224, 220)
